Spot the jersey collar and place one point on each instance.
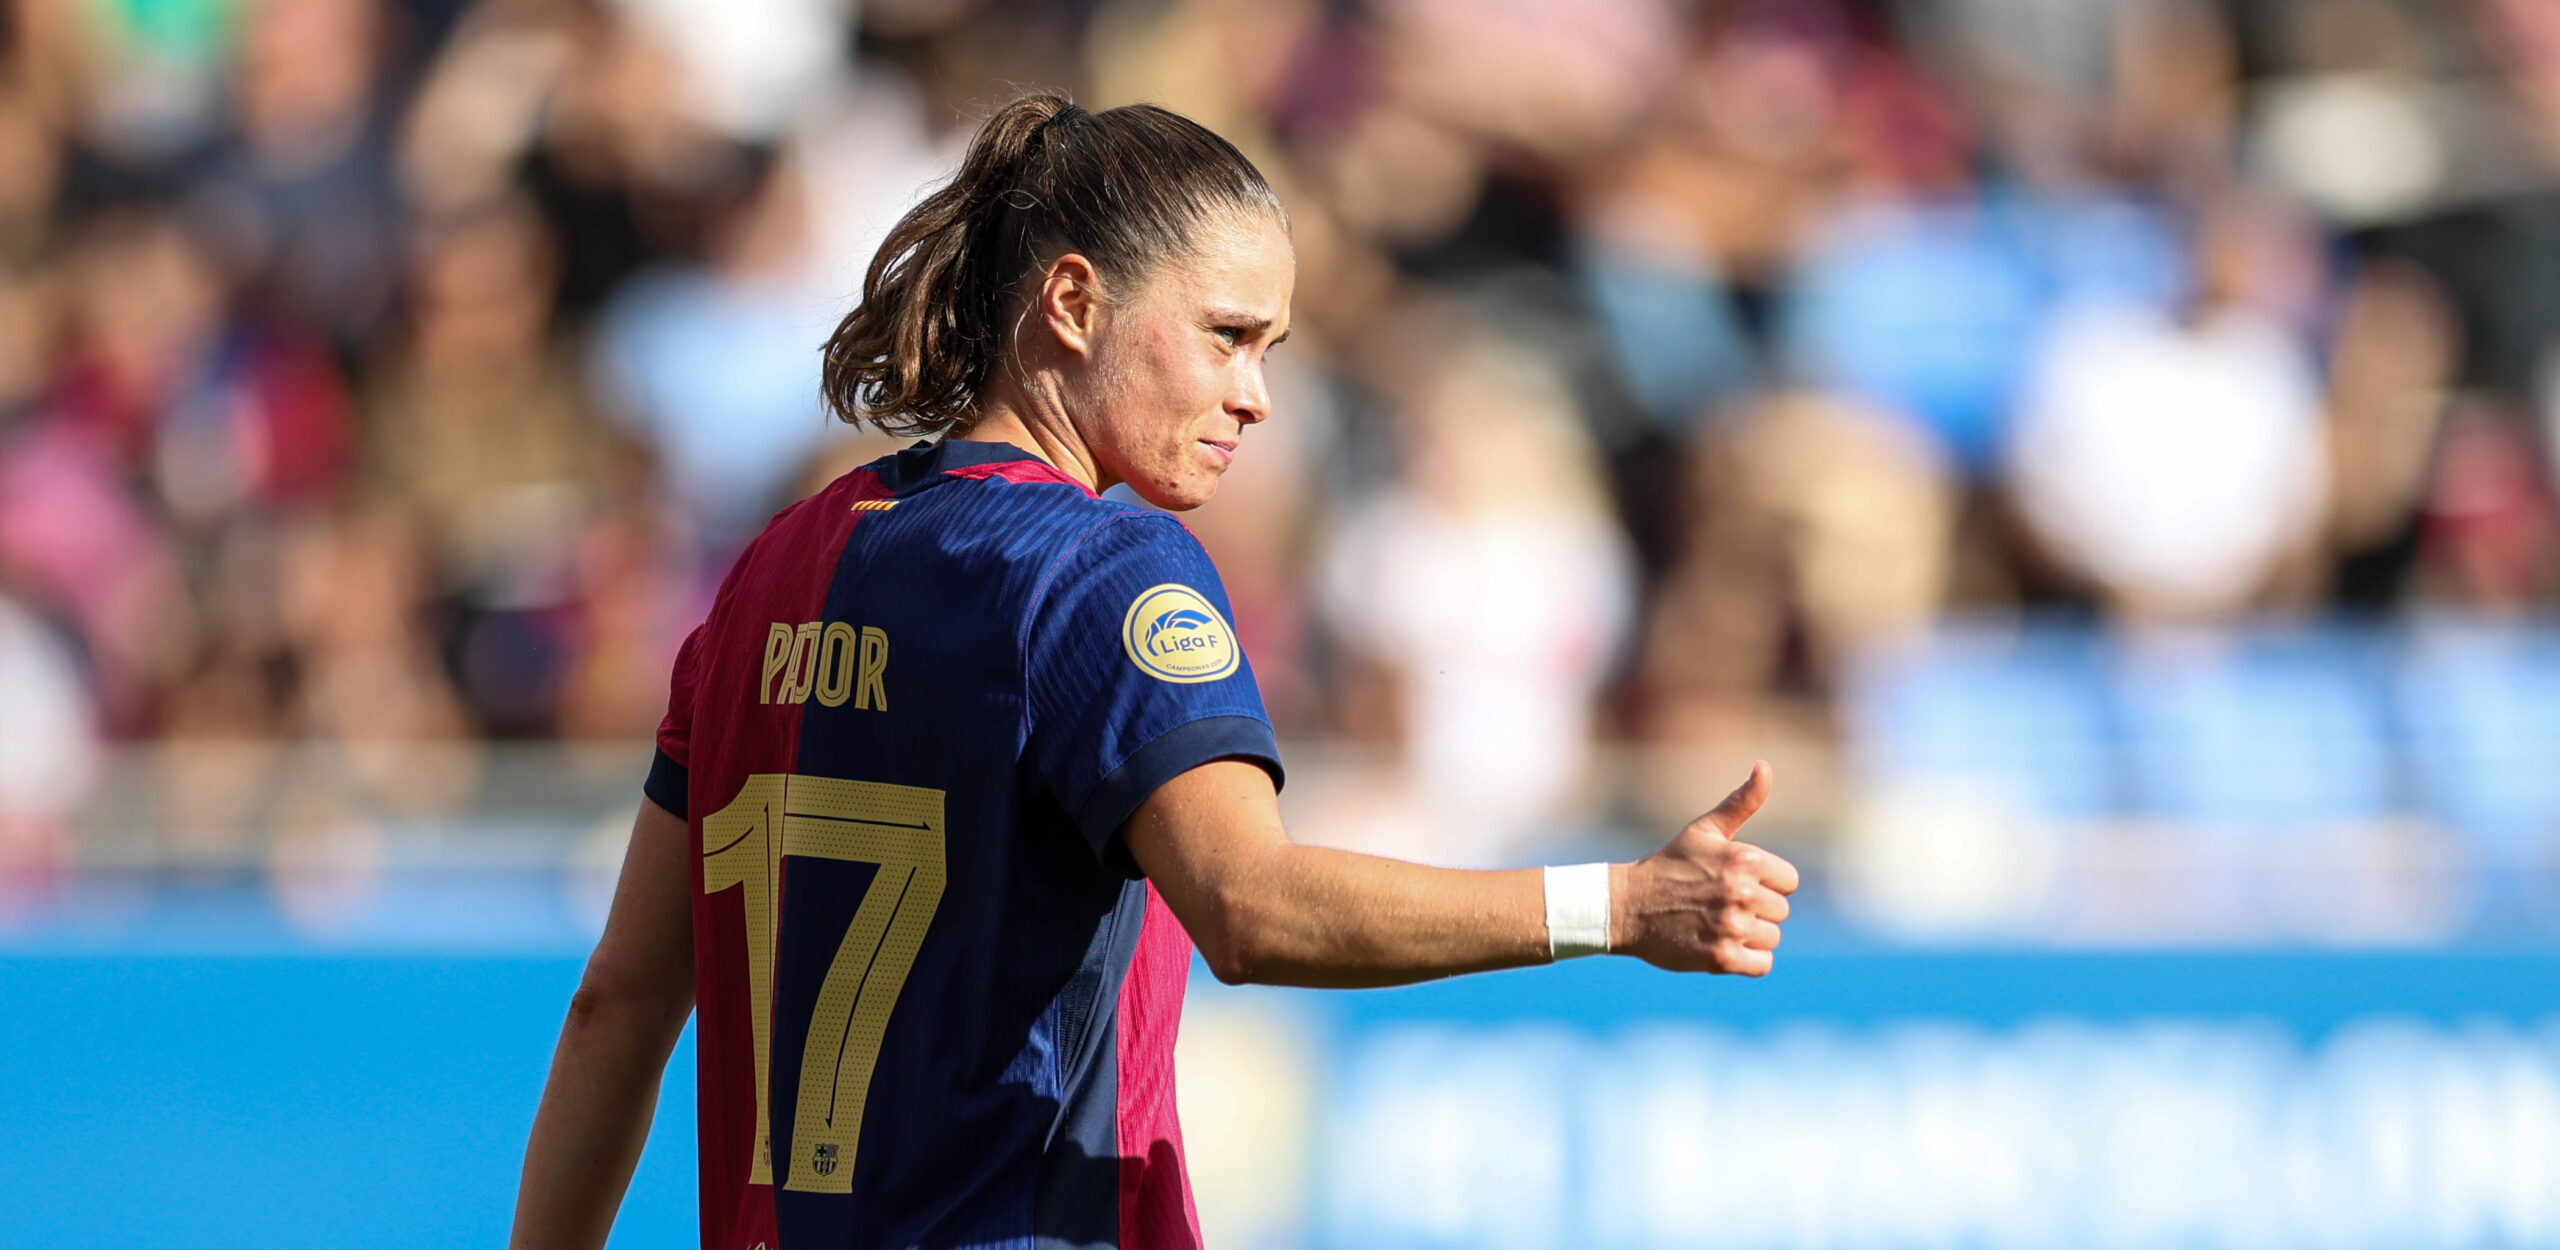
(923, 464)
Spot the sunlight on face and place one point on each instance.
(1177, 370)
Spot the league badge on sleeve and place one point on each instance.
(1173, 634)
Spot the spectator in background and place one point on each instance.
(1761, 107)
(30, 176)
(29, 242)
(156, 384)
(2081, 94)
(223, 414)
(2352, 123)
(49, 754)
(75, 541)
(2392, 357)
(352, 586)
(1655, 275)
(480, 425)
(2177, 461)
(229, 717)
(2489, 542)
(139, 88)
(1821, 527)
(2522, 37)
(1488, 587)
(865, 150)
(637, 599)
(300, 200)
(1229, 66)
(745, 68)
(717, 365)
(1919, 310)
(1576, 72)
(481, 104)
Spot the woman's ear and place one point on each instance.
(1071, 303)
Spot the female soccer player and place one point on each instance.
(966, 757)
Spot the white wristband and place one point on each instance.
(1578, 911)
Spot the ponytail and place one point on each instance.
(1129, 188)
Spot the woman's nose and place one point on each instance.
(1251, 400)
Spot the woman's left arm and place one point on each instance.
(1264, 909)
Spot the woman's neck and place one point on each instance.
(1039, 428)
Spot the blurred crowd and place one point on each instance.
(389, 373)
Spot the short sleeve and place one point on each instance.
(1135, 675)
(666, 785)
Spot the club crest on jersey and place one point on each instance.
(1173, 634)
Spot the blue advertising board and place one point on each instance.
(1975, 1099)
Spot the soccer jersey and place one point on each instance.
(936, 1001)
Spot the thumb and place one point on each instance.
(1738, 807)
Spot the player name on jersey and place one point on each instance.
(828, 660)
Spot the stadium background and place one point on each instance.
(2102, 451)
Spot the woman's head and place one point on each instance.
(1118, 273)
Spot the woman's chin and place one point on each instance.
(1179, 495)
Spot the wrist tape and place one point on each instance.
(1578, 911)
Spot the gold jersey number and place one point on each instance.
(900, 829)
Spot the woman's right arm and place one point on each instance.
(624, 1019)
(1264, 909)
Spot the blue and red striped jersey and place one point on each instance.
(936, 999)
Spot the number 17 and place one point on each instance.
(898, 828)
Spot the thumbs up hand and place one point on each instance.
(1705, 902)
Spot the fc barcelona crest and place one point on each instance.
(824, 1164)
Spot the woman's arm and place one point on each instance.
(624, 1019)
(1265, 909)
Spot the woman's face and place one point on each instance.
(1176, 369)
